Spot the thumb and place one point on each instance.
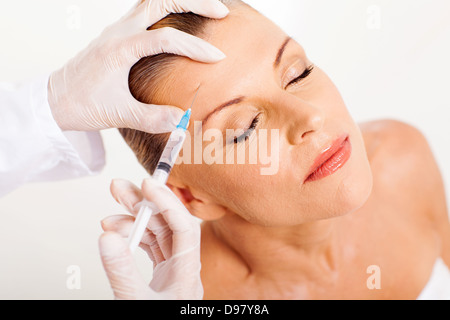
(157, 119)
(123, 275)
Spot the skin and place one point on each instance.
(276, 237)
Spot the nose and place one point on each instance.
(305, 119)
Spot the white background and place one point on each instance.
(388, 58)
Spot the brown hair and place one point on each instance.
(143, 82)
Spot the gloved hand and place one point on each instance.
(91, 91)
(172, 242)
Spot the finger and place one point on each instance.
(186, 240)
(208, 8)
(123, 224)
(156, 119)
(157, 237)
(185, 229)
(155, 10)
(170, 40)
(120, 268)
(126, 194)
(120, 224)
(156, 253)
(149, 252)
(158, 227)
(165, 200)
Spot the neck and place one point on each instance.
(309, 250)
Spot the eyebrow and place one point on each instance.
(242, 98)
(223, 106)
(281, 52)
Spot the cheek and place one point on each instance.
(239, 188)
(326, 96)
(242, 189)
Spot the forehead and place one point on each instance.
(249, 40)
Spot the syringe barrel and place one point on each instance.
(170, 155)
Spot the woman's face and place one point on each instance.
(263, 82)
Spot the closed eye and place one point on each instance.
(248, 132)
(301, 77)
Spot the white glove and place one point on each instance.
(172, 242)
(91, 91)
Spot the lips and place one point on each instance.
(331, 159)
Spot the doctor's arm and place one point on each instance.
(33, 147)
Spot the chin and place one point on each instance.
(350, 190)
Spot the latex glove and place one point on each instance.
(91, 91)
(172, 242)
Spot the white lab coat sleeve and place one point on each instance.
(33, 147)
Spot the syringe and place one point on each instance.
(165, 165)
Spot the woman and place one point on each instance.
(370, 223)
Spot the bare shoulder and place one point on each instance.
(396, 139)
(404, 163)
(401, 149)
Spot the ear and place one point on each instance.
(199, 207)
